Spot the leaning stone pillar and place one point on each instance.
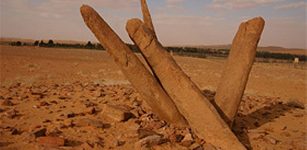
(147, 17)
(240, 60)
(199, 112)
(133, 69)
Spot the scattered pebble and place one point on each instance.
(142, 133)
(40, 132)
(149, 141)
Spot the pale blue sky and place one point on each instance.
(178, 22)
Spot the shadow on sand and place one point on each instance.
(244, 122)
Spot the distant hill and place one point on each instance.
(8, 40)
(272, 49)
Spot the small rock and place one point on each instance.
(155, 124)
(142, 133)
(54, 131)
(92, 110)
(256, 135)
(116, 113)
(284, 128)
(196, 146)
(12, 113)
(97, 94)
(40, 133)
(89, 104)
(67, 123)
(296, 104)
(71, 115)
(51, 141)
(135, 113)
(271, 140)
(188, 140)
(44, 103)
(62, 97)
(119, 143)
(53, 102)
(176, 137)
(149, 141)
(35, 106)
(47, 121)
(85, 146)
(136, 103)
(84, 122)
(15, 131)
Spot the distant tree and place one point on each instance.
(36, 43)
(41, 44)
(99, 46)
(89, 45)
(50, 43)
(18, 43)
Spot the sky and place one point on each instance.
(177, 22)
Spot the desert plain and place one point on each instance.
(52, 98)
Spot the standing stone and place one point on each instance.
(240, 60)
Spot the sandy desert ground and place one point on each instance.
(79, 99)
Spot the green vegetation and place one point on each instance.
(181, 51)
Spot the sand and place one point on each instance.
(59, 97)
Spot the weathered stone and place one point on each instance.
(116, 113)
(51, 141)
(240, 60)
(197, 109)
(143, 81)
